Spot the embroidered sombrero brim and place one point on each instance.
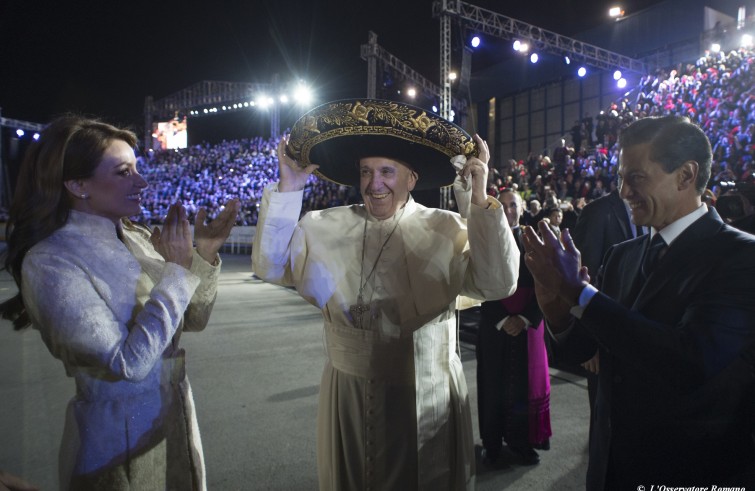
(337, 134)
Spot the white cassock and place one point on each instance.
(394, 409)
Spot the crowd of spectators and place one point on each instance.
(208, 175)
(717, 92)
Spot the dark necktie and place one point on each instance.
(652, 254)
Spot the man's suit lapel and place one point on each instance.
(619, 209)
(692, 247)
(631, 277)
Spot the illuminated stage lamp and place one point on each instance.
(621, 83)
(303, 95)
(534, 58)
(264, 101)
(475, 41)
(521, 47)
(20, 133)
(617, 75)
(582, 71)
(615, 12)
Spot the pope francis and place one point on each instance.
(394, 409)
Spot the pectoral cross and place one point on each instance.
(357, 312)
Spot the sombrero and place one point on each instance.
(337, 134)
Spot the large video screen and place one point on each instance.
(170, 134)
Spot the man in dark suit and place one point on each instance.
(602, 224)
(503, 359)
(675, 322)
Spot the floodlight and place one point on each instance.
(567, 60)
(452, 76)
(264, 101)
(617, 75)
(582, 71)
(475, 41)
(746, 41)
(435, 109)
(283, 98)
(411, 92)
(517, 45)
(20, 132)
(615, 12)
(36, 136)
(621, 83)
(303, 95)
(715, 47)
(534, 58)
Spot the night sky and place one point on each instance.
(102, 58)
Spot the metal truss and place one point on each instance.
(373, 52)
(205, 95)
(445, 65)
(23, 125)
(495, 24)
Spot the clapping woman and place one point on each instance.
(111, 299)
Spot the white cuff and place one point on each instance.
(527, 323)
(585, 296)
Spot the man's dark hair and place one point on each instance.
(673, 141)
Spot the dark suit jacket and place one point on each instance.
(602, 223)
(676, 396)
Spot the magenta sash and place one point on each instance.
(539, 386)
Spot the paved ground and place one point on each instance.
(255, 372)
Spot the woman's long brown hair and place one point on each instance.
(70, 147)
